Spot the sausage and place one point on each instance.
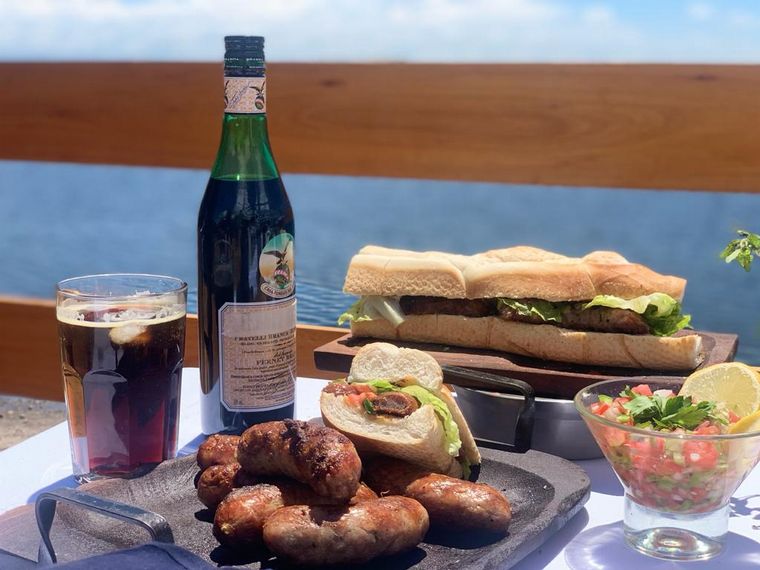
(216, 482)
(311, 536)
(240, 517)
(396, 404)
(217, 450)
(451, 503)
(318, 456)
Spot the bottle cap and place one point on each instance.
(244, 56)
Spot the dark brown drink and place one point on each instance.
(122, 370)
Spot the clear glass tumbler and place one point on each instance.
(122, 339)
(677, 485)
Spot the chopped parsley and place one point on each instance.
(668, 413)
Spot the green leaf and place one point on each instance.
(425, 397)
(642, 408)
(368, 406)
(672, 405)
(742, 250)
(660, 311)
(450, 427)
(666, 413)
(355, 314)
(605, 399)
(545, 310)
(381, 386)
(690, 416)
(373, 307)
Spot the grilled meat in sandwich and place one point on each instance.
(393, 402)
(597, 310)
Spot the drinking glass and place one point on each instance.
(677, 485)
(122, 339)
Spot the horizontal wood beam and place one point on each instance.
(635, 126)
(29, 358)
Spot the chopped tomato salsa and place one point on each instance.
(684, 475)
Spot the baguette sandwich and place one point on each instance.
(394, 403)
(599, 309)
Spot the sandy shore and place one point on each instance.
(21, 418)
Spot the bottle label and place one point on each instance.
(276, 266)
(245, 95)
(257, 346)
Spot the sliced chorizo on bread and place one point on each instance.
(431, 433)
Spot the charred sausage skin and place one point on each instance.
(312, 536)
(451, 503)
(218, 449)
(240, 518)
(318, 456)
(217, 481)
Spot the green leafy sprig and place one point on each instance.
(742, 250)
(667, 413)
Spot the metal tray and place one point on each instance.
(545, 492)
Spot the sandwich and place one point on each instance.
(394, 403)
(599, 309)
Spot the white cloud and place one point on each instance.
(742, 19)
(344, 30)
(598, 15)
(700, 11)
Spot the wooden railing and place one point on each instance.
(636, 126)
(633, 126)
(30, 365)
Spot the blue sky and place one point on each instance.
(380, 30)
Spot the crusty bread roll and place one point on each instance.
(515, 273)
(419, 437)
(402, 366)
(520, 272)
(546, 342)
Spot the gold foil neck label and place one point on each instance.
(245, 95)
(257, 345)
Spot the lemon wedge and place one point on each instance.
(746, 424)
(732, 383)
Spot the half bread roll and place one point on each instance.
(422, 437)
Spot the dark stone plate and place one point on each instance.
(545, 492)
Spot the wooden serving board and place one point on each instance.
(550, 379)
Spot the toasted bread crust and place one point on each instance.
(517, 272)
(546, 342)
(418, 438)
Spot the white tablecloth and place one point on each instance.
(592, 540)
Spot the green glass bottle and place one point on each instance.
(246, 261)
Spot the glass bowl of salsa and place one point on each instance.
(676, 459)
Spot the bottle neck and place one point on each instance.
(244, 152)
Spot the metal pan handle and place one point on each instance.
(483, 381)
(44, 510)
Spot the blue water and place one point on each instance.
(61, 220)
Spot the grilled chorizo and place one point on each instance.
(318, 456)
(311, 536)
(451, 503)
(239, 520)
(216, 482)
(218, 450)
